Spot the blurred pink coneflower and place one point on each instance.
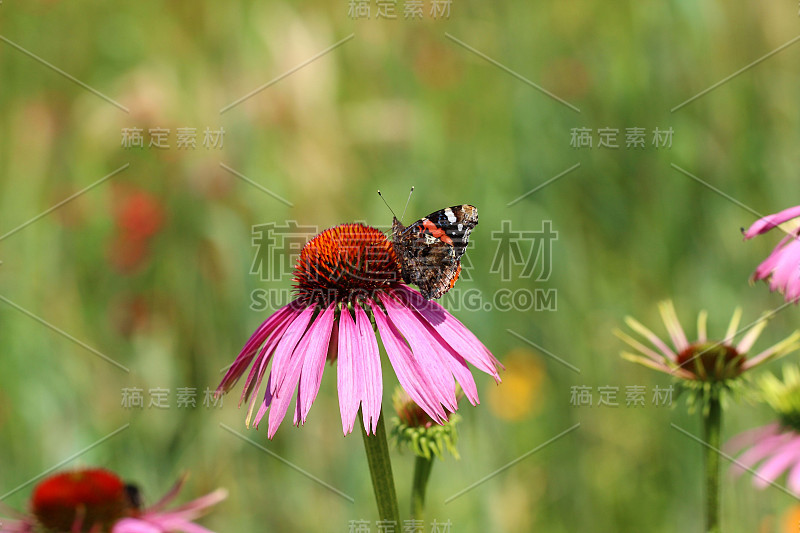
(98, 501)
(782, 266)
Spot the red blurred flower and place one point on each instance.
(138, 217)
(97, 501)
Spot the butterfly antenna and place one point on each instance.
(387, 204)
(407, 201)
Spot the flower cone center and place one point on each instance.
(347, 263)
(711, 361)
(91, 497)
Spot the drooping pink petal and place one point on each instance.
(268, 397)
(348, 380)
(447, 356)
(287, 345)
(422, 350)
(784, 274)
(135, 525)
(750, 437)
(768, 222)
(250, 389)
(786, 266)
(793, 480)
(454, 333)
(767, 266)
(760, 450)
(256, 339)
(157, 520)
(409, 373)
(369, 368)
(783, 458)
(316, 351)
(308, 346)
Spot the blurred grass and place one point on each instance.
(399, 105)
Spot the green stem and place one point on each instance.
(422, 472)
(712, 426)
(380, 469)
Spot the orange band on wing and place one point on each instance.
(455, 278)
(437, 232)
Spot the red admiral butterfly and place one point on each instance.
(430, 249)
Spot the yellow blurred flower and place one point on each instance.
(791, 520)
(521, 394)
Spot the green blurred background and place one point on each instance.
(152, 267)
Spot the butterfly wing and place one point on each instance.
(430, 249)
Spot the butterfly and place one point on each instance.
(430, 249)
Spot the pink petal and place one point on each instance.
(348, 380)
(409, 373)
(306, 348)
(447, 356)
(761, 450)
(765, 268)
(264, 357)
(423, 351)
(315, 353)
(287, 346)
(782, 459)
(135, 525)
(369, 368)
(768, 222)
(266, 402)
(453, 332)
(256, 339)
(794, 479)
(750, 437)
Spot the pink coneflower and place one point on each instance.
(782, 266)
(706, 369)
(774, 449)
(703, 360)
(98, 501)
(348, 282)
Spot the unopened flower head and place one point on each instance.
(782, 266)
(703, 360)
(771, 450)
(349, 283)
(415, 430)
(98, 501)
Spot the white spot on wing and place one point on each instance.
(450, 216)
